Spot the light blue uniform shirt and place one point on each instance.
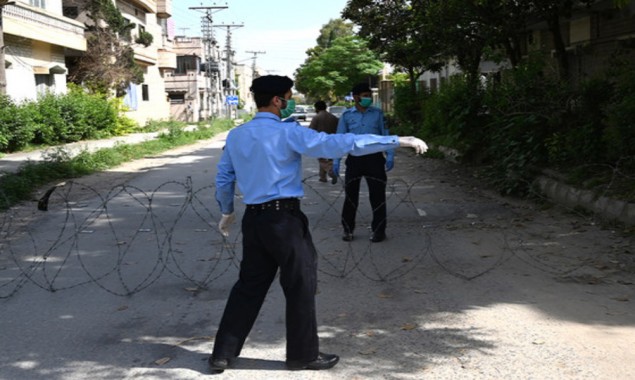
(264, 158)
(370, 121)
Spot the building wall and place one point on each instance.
(36, 41)
(151, 97)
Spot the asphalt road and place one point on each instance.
(126, 277)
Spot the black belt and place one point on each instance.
(277, 205)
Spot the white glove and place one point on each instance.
(418, 145)
(225, 221)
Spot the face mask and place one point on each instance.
(288, 110)
(365, 102)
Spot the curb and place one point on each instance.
(607, 208)
(558, 192)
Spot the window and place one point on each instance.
(186, 63)
(177, 98)
(44, 83)
(38, 3)
(145, 93)
(70, 12)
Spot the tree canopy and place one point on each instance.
(108, 63)
(415, 35)
(335, 65)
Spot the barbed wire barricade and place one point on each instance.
(125, 239)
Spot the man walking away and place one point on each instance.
(326, 122)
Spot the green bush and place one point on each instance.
(453, 116)
(408, 109)
(527, 112)
(620, 113)
(16, 126)
(57, 119)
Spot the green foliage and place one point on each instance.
(56, 119)
(335, 70)
(16, 129)
(408, 108)
(58, 165)
(333, 30)
(109, 62)
(452, 116)
(620, 113)
(525, 111)
(144, 38)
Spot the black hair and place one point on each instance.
(320, 105)
(360, 87)
(263, 99)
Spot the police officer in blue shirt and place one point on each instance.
(363, 118)
(264, 158)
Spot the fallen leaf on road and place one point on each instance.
(122, 308)
(409, 326)
(621, 299)
(162, 361)
(384, 295)
(209, 338)
(369, 351)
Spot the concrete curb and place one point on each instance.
(558, 192)
(607, 208)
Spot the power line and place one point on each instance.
(211, 66)
(253, 63)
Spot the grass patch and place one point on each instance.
(58, 165)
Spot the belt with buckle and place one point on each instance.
(277, 205)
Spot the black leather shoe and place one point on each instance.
(218, 365)
(323, 361)
(377, 237)
(334, 179)
(348, 236)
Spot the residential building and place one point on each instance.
(149, 100)
(591, 36)
(244, 77)
(42, 36)
(38, 38)
(194, 87)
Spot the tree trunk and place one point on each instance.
(3, 72)
(561, 53)
(412, 75)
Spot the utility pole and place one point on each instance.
(228, 55)
(3, 72)
(211, 66)
(253, 62)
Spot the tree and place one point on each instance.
(393, 30)
(552, 12)
(334, 71)
(333, 30)
(108, 63)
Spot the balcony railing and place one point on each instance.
(40, 25)
(148, 5)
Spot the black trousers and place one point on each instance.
(372, 168)
(273, 239)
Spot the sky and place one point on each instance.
(282, 29)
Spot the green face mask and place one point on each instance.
(365, 102)
(288, 110)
